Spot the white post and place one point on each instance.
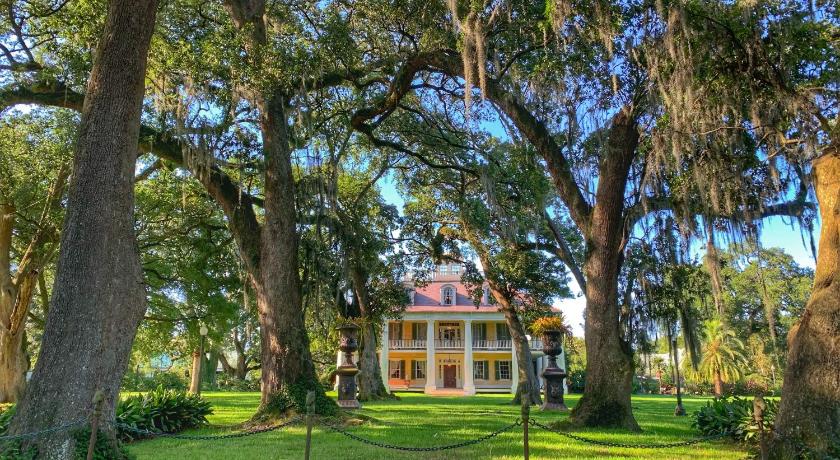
(514, 369)
(469, 385)
(383, 356)
(431, 365)
(562, 363)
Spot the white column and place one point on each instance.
(383, 356)
(431, 365)
(514, 369)
(469, 385)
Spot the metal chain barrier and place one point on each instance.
(37, 434)
(664, 445)
(383, 445)
(240, 434)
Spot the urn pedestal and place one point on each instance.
(553, 375)
(349, 342)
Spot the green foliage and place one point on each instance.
(723, 354)
(294, 398)
(734, 416)
(136, 381)
(227, 382)
(7, 411)
(106, 448)
(576, 381)
(163, 410)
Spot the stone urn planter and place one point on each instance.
(553, 375)
(349, 342)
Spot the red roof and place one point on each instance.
(428, 298)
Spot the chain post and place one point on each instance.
(525, 399)
(310, 408)
(759, 405)
(98, 398)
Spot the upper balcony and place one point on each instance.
(445, 344)
(407, 344)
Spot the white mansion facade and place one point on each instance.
(445, 345)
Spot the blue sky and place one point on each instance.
(776, 232)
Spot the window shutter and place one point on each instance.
(413, 370)
(402, 369)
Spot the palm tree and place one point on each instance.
(722, 357)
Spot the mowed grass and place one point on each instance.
(419, 420)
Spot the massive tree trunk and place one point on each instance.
(99, 297)
(609, 360)
(370, 375)
(809, 413)
(286, 359)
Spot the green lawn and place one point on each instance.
(419, 420)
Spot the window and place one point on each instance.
(485, 298)
(418, 369)
(502, 332)
(479, 331)
(502, 370)
(443, 269)
(395, 331)
(449, 331)
(396, 369)
(418, 331)
(480, 370)
(455, 269)
(410, 293)
(447, 295)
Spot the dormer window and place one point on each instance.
(410, 293)
(485, 298)
(447, 295)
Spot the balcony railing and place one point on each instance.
(491, 344)
(407, 344)
(449, 344)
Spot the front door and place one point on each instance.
(449, 376)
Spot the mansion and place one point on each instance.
(445, 345)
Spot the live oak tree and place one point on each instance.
(776, 73)
(572, 80)
(99, 297)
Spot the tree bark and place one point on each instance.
(528, 380)
(369, 378)
(286, 359)
(195, 374)
(809, 413)
(609, 359)
(718, 384)
(99, 297)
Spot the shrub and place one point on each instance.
(134, 381)
(7, 411)
(734, 416)
(577, 381)
(162, 410)
(227, 382)
(645, 385)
